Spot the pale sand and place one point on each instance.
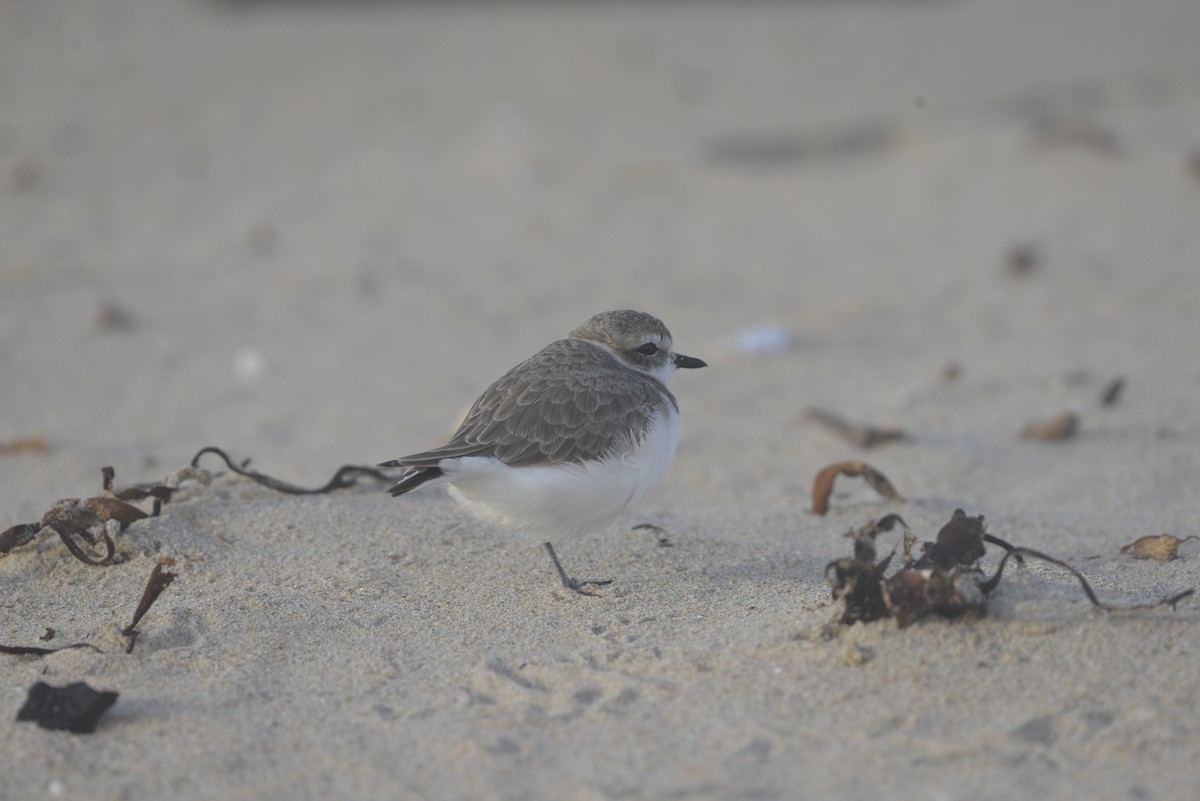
(331, 230)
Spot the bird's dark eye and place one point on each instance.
(649, 349)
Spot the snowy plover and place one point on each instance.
(568, 438)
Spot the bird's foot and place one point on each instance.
(573, 584)
(585, 587)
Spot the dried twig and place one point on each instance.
(864, 436)
(660, 534)
(33, 650)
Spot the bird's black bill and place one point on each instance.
(689, 362)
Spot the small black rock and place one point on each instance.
(76, 707)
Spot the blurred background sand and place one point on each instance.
(332, 223)
(313, 232)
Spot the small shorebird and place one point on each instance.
(569, 438)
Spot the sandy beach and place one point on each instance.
(312, 233)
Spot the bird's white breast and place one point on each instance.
(565, 499)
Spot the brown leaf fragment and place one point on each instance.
(159, 580)
(864, 436)
(114, 509)
(18, 535)
(67, 509)
(1162, 547)
(32, 444)
(136, 492)
(48, 635)
(1056, 429)
(823, 484)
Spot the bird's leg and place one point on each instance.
(573, 584)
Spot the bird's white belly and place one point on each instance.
(565, 499)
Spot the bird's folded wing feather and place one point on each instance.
(564, 404)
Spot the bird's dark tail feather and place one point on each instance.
(414, 478)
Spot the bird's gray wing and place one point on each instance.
(566, 403)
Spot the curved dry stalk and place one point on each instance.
(823, 484)
(346, 476)
(991, 583)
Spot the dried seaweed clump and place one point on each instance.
(945, 580)
(84, 525)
